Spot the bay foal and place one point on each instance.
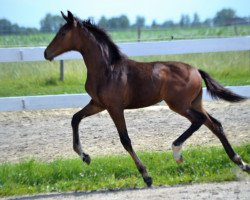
(115, 83)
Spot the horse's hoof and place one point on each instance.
(246, 168)
(86, 159)
(180, 160)
(177, 153)
(148, 180)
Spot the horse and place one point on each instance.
(115, 83)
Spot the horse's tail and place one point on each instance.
(217, 91)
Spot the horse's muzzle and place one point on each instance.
(47, 56)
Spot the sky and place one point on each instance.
(28, 13)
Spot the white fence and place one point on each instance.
(139, 49)
(74, 100)
(131, 49)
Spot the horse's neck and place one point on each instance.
(95, 71)
(94, 63)
(96, 66)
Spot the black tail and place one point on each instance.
(217, 91)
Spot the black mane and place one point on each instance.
(109, 48)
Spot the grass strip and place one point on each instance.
(209, 164)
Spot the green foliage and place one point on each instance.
(7, 28)
(224, 17)
(51, 23)
(201, 164)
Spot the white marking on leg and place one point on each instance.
(79, 147)
(177, 153)
(243, 166)
(240, 162)
(79, 150)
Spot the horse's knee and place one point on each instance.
(75, 120)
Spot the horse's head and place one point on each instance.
(65, 39)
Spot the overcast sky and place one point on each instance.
(28, 13)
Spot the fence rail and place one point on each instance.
(138, 49)
(75, 100)
(131, 49)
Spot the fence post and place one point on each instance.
(249, 58)
(61, 70)
(138, 34)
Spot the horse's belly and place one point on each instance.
(142, 99)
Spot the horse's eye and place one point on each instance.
(63, 34)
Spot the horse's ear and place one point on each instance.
(64, 17)
(70, 16)
(71, 19)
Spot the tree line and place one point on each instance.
(51, 23)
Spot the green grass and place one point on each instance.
(201, 165)
(179, 33)
(39, 39)
(37, 78)
(42, 78)
(130, 35)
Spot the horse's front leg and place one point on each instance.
(88, 110)
(118, 117)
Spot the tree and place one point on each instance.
(196, 20)
(224, 17)
(121, 22)
(124, 22)
(7, 28)
(113, 23)
(154, 24)
(140, 22)
(168, 24)
(208, 22)
(185, 20)
(51, 23)
(103, 22)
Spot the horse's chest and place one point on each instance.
(95, 91)
(91, 89)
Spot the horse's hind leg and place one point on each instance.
(216, 127)
(197, 119)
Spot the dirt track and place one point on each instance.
(47, 134)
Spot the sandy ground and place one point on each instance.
(47, 134)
